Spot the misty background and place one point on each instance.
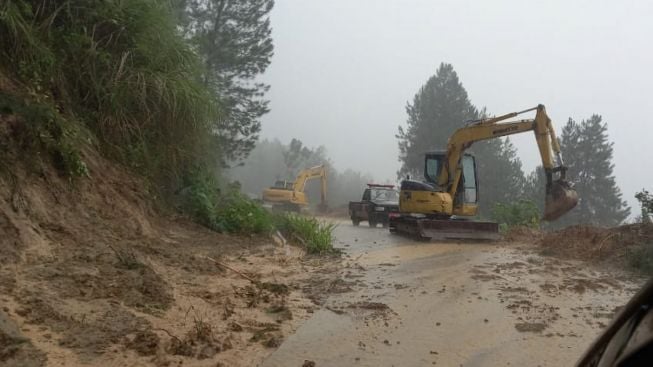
(343, 72)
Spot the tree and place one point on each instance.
(501, 179)
(535, 187)
(233, 37)
(588, 155)
(297, 157)
(646, 205)
(439, 108)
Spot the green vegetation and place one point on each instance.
(234, 41)
(314, 235)
(646, 205)
(117, 68)
(46, 131)
(239, 214)
(232, 212)
(640, 258)
(223, 210)
(588, 153)
(167, 91)
(520, 213)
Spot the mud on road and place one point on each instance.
(451, 304)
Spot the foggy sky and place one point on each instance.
(343, 71)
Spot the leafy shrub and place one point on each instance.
(314, 235)
(43, 130)
(236, 213)
(640, 258)
(520, 213)
(200, 196)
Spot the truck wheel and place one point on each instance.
(355, 222)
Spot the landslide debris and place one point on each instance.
(596, 244)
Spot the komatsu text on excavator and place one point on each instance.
(290, 196)
(438, 207)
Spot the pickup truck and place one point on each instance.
(376, 205)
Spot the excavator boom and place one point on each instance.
(560, 196)
(451, 189)
(292, 197)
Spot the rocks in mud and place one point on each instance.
(273, 342)
(308, 363)
(208, 351)
(145, 343)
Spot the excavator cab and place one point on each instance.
(466, 199)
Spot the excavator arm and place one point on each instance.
(560, 196)
(309, 174)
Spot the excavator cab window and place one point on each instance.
(280, 184)
(469, 179)
(433, 166)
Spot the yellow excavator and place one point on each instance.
(290, 196)
(438, 208)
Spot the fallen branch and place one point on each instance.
(216, 262)
(604, 240)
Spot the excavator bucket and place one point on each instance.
(560, 199)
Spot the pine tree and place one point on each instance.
(501, 179)
(588, 154)
(234, 39)
(439, 108)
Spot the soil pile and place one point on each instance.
(596, 244)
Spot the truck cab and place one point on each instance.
(376, 205)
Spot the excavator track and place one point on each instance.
(444, 229)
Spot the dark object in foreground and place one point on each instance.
(628, 340)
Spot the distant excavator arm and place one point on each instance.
(310, 174)
(560, 198)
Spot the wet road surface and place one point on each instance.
(451, 304)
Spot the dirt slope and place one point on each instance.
(90, 274)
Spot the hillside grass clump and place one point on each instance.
(315, 235)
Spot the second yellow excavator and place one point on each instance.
(290, 196)
(437, 208)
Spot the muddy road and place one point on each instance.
(410, 303)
